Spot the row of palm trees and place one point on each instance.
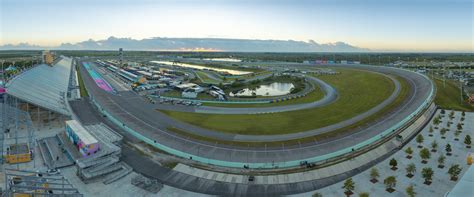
(427, 173)
(390, 182)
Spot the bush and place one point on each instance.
(390, 182)
(427, 174)
(425, 155)
(467, 141)
(348, 186)
(393, 163)
(454, 171)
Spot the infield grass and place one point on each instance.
(448, 96)
(358, 91)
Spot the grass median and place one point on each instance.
(82, 88)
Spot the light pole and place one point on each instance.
(460, 82)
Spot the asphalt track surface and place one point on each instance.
(142, 117)
(330, 96)
(142, 164)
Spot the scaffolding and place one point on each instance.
(13, 121)
(30, 183)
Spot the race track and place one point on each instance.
(140, 116)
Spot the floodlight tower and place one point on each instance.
(121, 57)
(4, 112)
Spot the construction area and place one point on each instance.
(45, 151)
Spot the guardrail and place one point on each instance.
(330, 156)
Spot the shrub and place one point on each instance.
(348, 186)
(410, 190)
(427, 174)
(374, 174)
(393, 163)
(467, 141)
(419, 140)
(454, 171)
(390, 182)
(425, 155)
(411, 169)
(448, 149)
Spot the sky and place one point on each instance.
(379, 25)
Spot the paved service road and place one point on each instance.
(139, 115)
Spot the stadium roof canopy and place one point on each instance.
(44, 86)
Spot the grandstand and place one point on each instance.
(42, 92)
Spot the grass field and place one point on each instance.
(359, 91)
(82, 88)
(447, 97)
(206, 79)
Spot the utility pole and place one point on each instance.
(460, 83)
(4, 117)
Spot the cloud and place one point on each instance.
(217, 44)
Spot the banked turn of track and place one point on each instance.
(130, 112)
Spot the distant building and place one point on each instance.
(48, 57)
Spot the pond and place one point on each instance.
(232, 72)
(273, 89)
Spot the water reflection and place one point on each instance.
(273, 89)
(232, 72)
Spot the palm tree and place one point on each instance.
(411, 169)
(427, 174)
(443, 132)
(374, 174)
(393, 163)
(425, 155)
(419, 140)
(467, 141)
(390, 182)
(348, 186)
(454, 172)
(436, 121)
(456, 135)
(441, 161)
(431, 131)
(364, 194)
(410, 190)
(434, 145)
(409, 151)
(448, 149)
(459, 126)
(317, 195)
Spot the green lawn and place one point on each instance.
(82, 88)
(448, 97)
(206, 79)
(359, 91)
